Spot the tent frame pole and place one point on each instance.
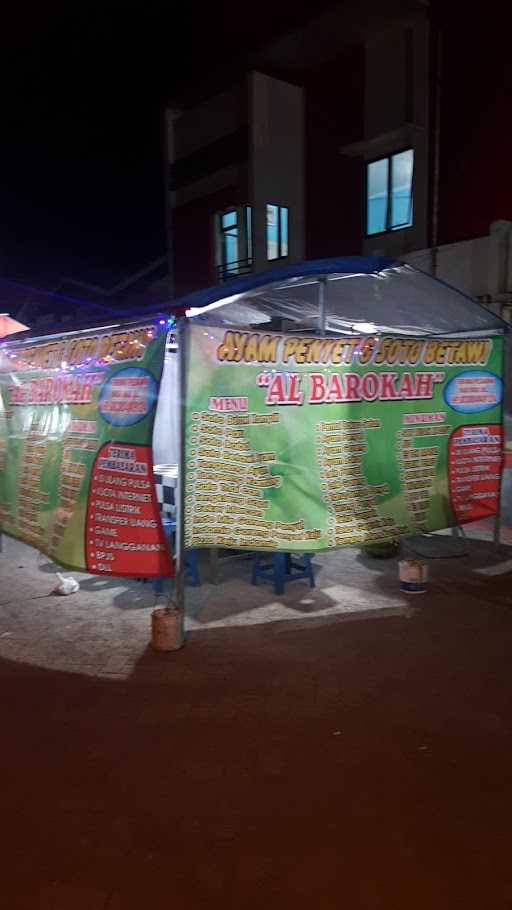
(177, 602)
(505, 408)
(322, 303)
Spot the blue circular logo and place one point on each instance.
(473, 391)
(128, 396)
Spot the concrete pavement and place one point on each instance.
(103, 629)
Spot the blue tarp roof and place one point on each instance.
(362, 294)
(340, 264)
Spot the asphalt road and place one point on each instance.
(325, 764)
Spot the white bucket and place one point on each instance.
(413, 576)
(167, 632)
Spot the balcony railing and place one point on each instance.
(229, 270)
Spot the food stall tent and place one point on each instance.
(344, 296)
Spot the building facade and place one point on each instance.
(367, 131)
(236, 166)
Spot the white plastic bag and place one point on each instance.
(66, 585)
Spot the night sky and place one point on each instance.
(84, 88)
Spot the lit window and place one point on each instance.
(248, 231)
(234, 242)
(389, 192)
(229, 237)
(277, 232)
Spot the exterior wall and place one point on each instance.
(193, 251)
(387, 102)
(334, 96)
(365, 95)
(396, 116)
(207, 148)
(464, 265)
(481, 267)
(209, 121)
(218, 161)
(476, 141)
(276, 162)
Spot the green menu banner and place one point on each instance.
(297, 443)
(76, 472)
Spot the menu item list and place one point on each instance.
(122, 515)
(227, 486)
(354, 515)
(475, 457)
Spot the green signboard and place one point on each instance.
(297, 443)
(76, 425)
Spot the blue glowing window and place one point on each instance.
(229, 237)
(277, 232)
(389, 192)
(233, 242)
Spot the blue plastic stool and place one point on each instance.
(192, 567)
(281, 568)
(191, 558)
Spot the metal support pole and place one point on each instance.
(506, 406)
(177, 598)
(322, 304)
